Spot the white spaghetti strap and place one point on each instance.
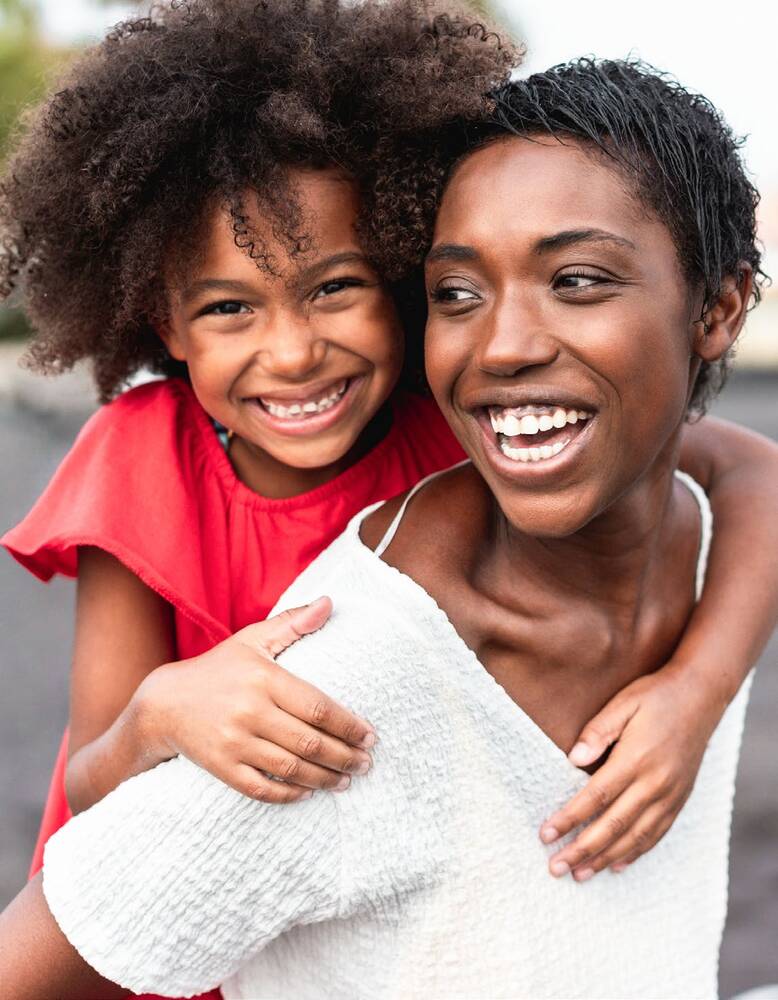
(391, 531)
(706, 527)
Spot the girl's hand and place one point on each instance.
(238, 714)
(662, 727)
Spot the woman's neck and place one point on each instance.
(610, 561)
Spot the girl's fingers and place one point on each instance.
(313, 745)
(601, 790)
(643, 836)
(276, 634)
(251, 782)
(308, 704)
(279, 763)
(616, 823)
(603, 730)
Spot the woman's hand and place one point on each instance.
(238, 714)
(658, 727)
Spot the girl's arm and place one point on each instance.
(37, 960)
(232, 710)
(663, 722)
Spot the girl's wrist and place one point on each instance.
(149, 712)
(704, 684)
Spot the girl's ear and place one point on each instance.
(171, 339)
(723, 321)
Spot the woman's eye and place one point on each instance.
(453, 295)
(227, 308)
(574, 281)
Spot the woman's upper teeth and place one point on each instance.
(307, 405)
(511, 423)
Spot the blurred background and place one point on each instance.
(721, 50)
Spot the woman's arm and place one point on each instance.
(232, 710)
(661, 723)
(37, 960)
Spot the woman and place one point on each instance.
(580, 283)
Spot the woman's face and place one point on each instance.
(296, 363)
(560, 336)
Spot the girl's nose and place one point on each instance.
(514, 340)
(290, 348)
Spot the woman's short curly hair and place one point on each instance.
(202, 100)
(677, 152)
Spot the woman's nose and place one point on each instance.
(514, 339)
(290, 347)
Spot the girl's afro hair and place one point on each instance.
(199, 101)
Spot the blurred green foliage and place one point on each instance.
(27, 64)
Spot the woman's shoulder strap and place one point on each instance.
(391, 531)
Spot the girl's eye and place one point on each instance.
(227, 308)
(335, 286)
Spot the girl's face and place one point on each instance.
(297, 363)
(561, 337)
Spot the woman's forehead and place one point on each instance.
(537, 185)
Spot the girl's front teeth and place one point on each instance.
(297, 410)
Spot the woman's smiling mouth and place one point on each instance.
(535, 433)
(533, 439)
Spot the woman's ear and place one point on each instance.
(171, 339)
(724, 319)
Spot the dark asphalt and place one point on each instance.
(35, 638)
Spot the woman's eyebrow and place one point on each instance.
(451, 251)
(570, 237)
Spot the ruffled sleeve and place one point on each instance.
(136, 484)
(180, 910)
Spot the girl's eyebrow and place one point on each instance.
(214, 285)
(313, 271)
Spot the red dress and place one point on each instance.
(148, 481)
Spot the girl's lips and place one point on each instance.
(533, 471)
(308, 424)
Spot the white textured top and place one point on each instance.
(426, 878)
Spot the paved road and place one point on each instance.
(35, 636)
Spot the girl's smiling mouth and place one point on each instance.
(307, 412)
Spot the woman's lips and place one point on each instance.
(308, 414)
(534, 441)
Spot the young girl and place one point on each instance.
(497, 608)
(248, 269)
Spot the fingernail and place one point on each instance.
(548, 834)
(583, 874)
(559, 868)
(343, 784)
(362, 768)
(581, 754)
(306, 795)
(619, 868)
(368, 742)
